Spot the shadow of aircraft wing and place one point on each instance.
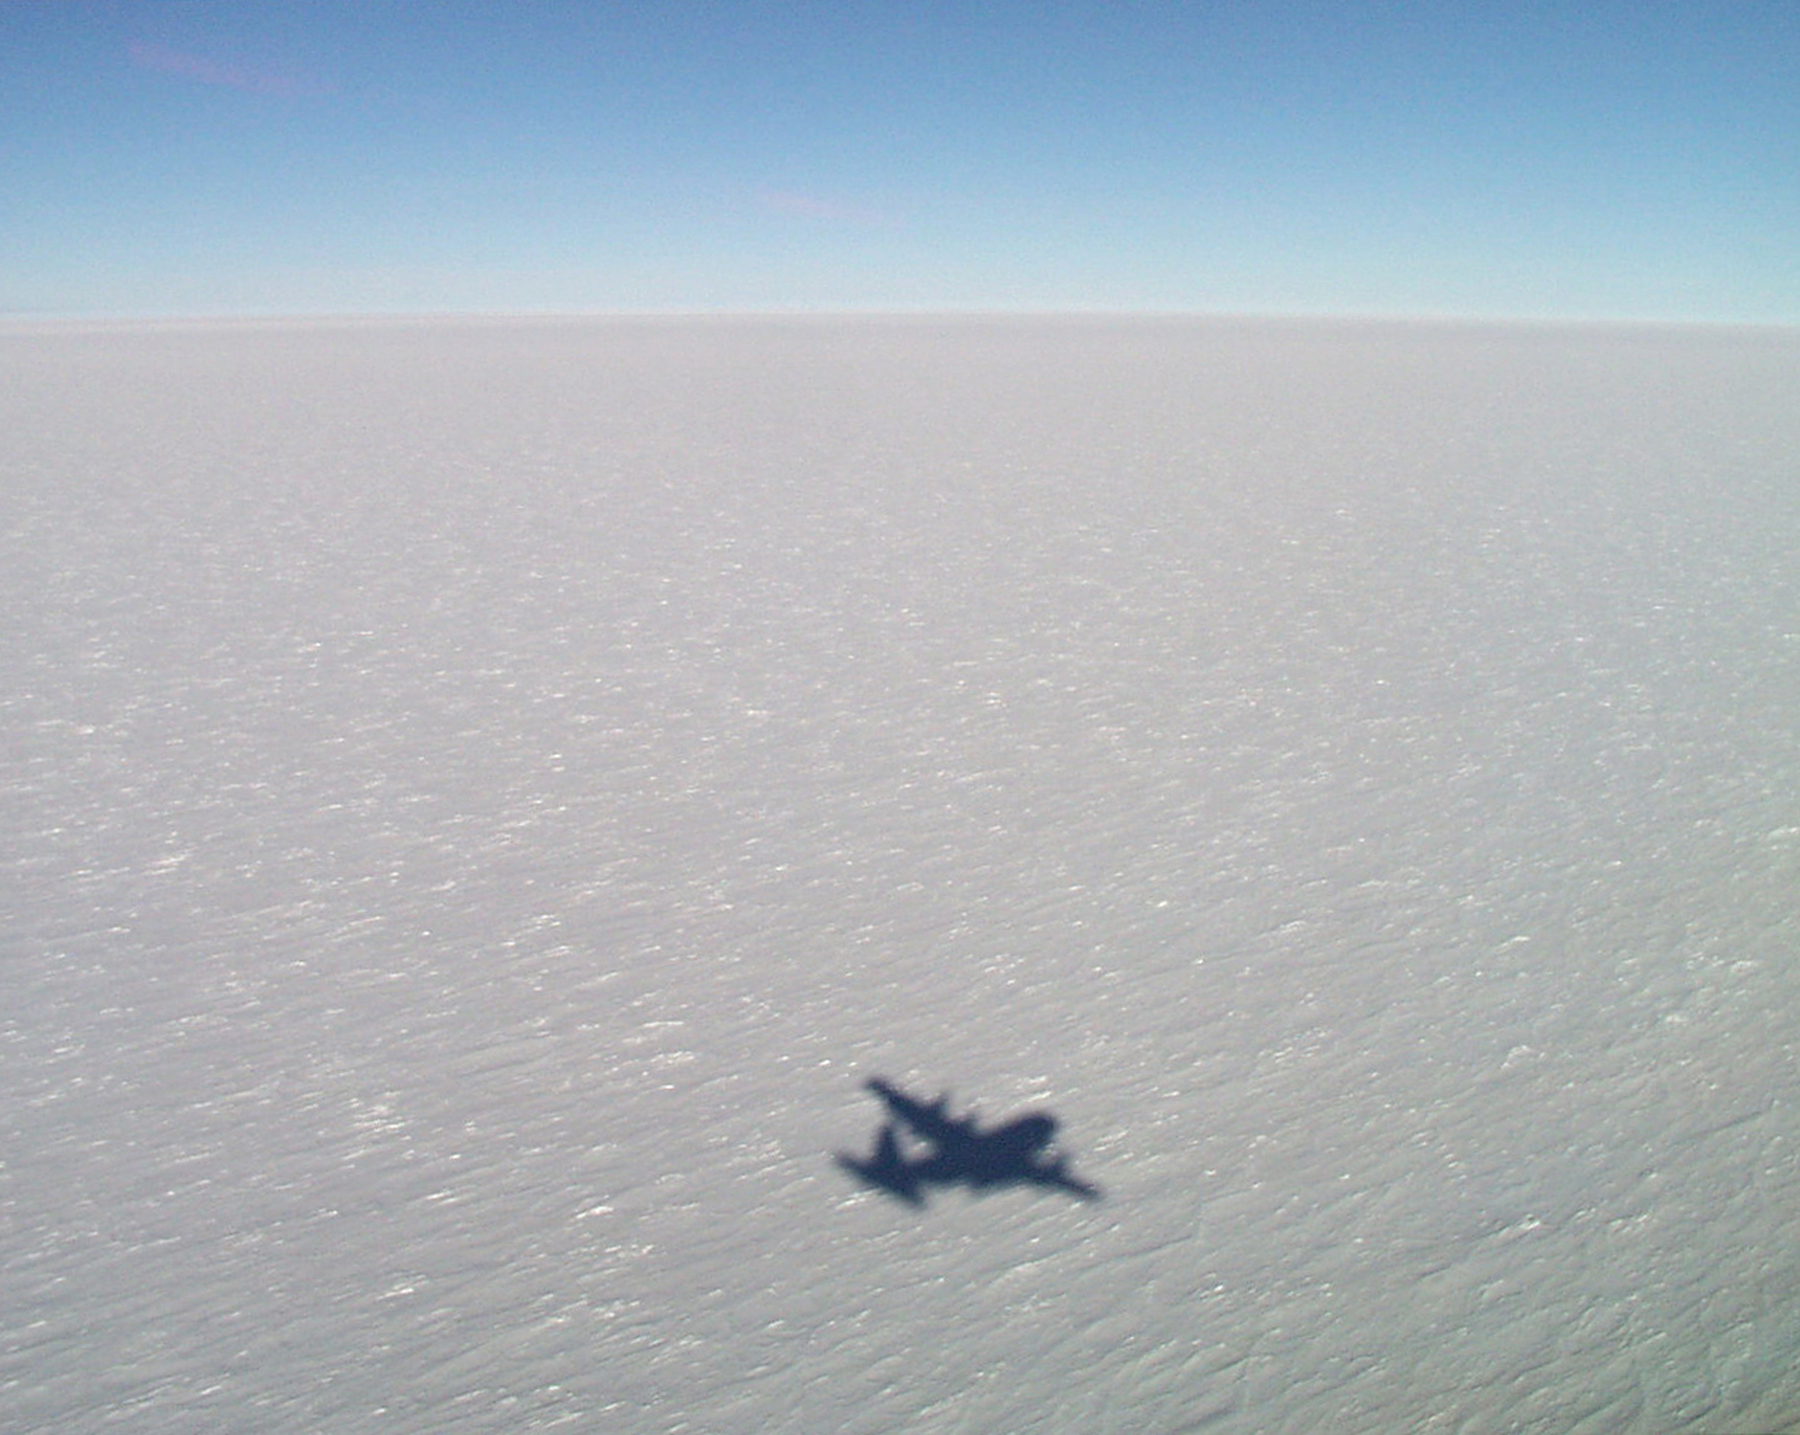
(1056, 1175)
(927, 1119)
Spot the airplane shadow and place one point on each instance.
(920, 1146)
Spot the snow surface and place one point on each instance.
(480, 796)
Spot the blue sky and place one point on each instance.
(1600, 159)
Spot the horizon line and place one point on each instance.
(249, 317)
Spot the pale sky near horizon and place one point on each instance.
(1541, 160)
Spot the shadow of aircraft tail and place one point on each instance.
(886, 1170)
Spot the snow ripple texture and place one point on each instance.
(480, 796)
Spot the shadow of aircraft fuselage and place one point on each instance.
(959, 1153)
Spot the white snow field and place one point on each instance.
(481, 796)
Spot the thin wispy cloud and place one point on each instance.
(825, 208)
(255, 80)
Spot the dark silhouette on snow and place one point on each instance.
(958, 1153)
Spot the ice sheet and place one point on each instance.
(480, 796)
